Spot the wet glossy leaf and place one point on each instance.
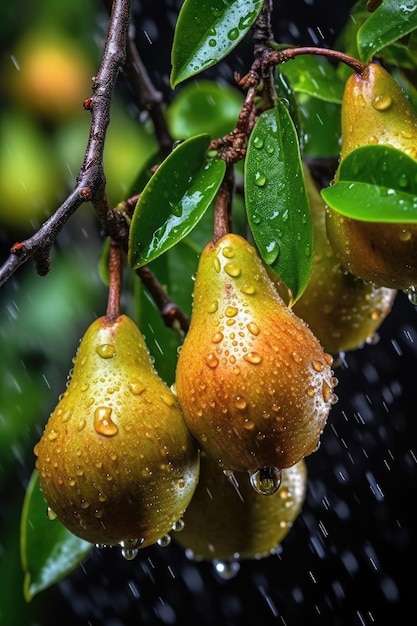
(276, 199)
(48, 550)
(390, 21)
(314, 76)
(204, 107)
(174, 200)
(206, 31)
(321, 127)
(376, 184)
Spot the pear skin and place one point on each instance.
(342, 310)
(376, 111)
(227, 520)
(254, 383)
(116, 461)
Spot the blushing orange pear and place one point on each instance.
(254, 383)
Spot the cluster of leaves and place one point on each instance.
(173, 217)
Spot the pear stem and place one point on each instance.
(115, 282)
(222, 211)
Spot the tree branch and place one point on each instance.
(91, 180)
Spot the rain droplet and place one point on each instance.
(226, 569)
(217, 265)
(240, 403)
(266, 481)
(404, 235)
(136, 388)
(67, 415)
(232, 269)
(412, 294)
(168, 400)
(212, 43)
(382, 102)
(233, 34)
(258, 142)
(164, 541)
(231, 311)
(248, 290)
(52, 435)
(106, 351)
(228, 252)
(103, 424)
(178, 525)
(253, 357)
(130, 548)
(212, 360)
(217, 337)
(403, 181)
(260, 179)
(253, 328)
(50, 514)
(271, 253)
(81, 424)
(213, 307)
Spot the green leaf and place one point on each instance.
(49, 552)
(204, 107)
(390, 21)
(174, 200)
(375, 184)
(314, 76)
(276, 199)
(206, 31)
(321, 127)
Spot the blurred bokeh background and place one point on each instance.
(348, 558)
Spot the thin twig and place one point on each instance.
(171, 314)
(91, 179)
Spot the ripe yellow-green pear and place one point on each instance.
(227, 520)
(342, 310)
(116, 461)
(254, 383)
(375, 110)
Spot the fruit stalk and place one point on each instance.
(115, 282)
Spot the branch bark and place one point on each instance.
(91, 180)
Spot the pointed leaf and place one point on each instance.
(276, 199)
(389, 22)
(49, 551)
(206, 31)
(314, 76)
(376, 184)
(204, 107)
(174, 200)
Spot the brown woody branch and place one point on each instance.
(91, 180)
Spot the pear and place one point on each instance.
(254, 383)
(228, 521)
(376, 111)
(342, 310)
(116, 461)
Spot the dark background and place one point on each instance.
(348, 558)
